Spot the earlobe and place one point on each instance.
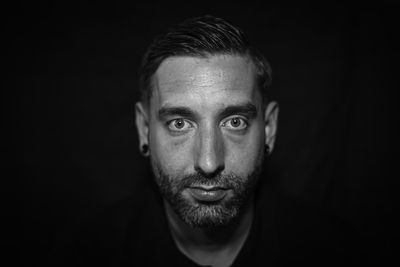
(142, 126)
(271, 124)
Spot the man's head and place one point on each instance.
(205, 116)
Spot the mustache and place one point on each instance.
(226, 181)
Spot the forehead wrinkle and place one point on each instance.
(191, 76)
(213, 81)
(203, 72)
(196, 80)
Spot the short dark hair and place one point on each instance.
(201, 37)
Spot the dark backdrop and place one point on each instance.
(70, 140)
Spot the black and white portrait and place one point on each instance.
(219, 135)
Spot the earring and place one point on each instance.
(144, 150)
(267, 149)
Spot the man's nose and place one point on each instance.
(209, 152)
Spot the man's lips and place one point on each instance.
(208, 194)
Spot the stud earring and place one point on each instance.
(267, 149)
(145, 150)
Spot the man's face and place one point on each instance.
(206, 131)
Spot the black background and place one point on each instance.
(70, 142)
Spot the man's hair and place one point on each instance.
(201, 37)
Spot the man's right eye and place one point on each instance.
(178, 125)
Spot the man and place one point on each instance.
(206, 120)
(206, 123)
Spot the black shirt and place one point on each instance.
(134, 232)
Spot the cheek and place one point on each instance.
(171, 153)
(243, 155)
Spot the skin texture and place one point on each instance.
(206, 119)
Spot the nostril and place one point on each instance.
(210, 173)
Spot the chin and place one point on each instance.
(206, 216)
(199, 215)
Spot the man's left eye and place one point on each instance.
(235, 123)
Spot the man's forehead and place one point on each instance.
(181, 75)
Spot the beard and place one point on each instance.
(198, 214)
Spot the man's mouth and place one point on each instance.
(208, 194)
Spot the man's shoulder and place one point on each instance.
(108, 236)
(285, 230)
(295, 231)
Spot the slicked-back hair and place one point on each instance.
(201, 37)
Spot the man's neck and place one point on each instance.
(217, 246)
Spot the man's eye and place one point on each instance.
(235, 123)
(179, 125)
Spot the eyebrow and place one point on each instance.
(175, 111)
(246, 109)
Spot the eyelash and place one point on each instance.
(170, 124)
(243, 122)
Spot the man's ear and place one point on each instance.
(271, 123)
(142, 125)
